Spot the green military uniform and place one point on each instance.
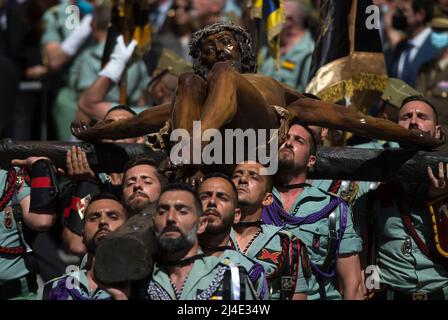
(294, 66)
(16, 282)
(278, 251)
(260, 283)
(402, 265)
(208, 280)
(87, 67)
(432, 79)
(73, 286)
(82, 71)
(433, 82)
(66, 103)
(315, 235)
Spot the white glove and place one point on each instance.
(75, 40)
(118, 59)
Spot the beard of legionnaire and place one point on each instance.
(221, 228)
(286, 163)
(91, 244)
(173, 245)
(137, 207)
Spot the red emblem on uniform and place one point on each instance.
(269, 255)
(8, 218)
(82, 205)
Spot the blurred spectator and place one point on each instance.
(159, 12)
(208, 11)
(25, 30)
(409, 55)
(88, 65)
(177, 30)
(433, 76)
(296, 49)
(20, 31)
(62, 43)
(162, 87)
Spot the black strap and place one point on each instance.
(216, 249)
(243, 280)
(46, 291)
(247, 224)
(294, 186)
(226, 286)
(182, 262)
(286, 268)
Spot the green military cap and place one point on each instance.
(173, 63)
(439, 23)
(396, 91)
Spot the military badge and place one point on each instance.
(287, 283)
(269, 255)
(406, 247)
(82, 205)
(8, 221)
(288, 65)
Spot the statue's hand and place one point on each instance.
(82, 131)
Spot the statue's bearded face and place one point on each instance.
(221, 46)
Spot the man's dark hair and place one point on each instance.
(422, 99)
(313, 145)
(269, 178)
(105, 196)
(121, 107)
(180, 186)
(248, 63)
(425, 5)
(227, 178)
(145, 160)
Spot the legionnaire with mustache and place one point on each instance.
(142, 184)
(219, 204)
(103, 215)
(323, 222)
(411, 250)
(182, 271)
(283, 255)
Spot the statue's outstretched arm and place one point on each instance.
(328, 115)
(146, 122)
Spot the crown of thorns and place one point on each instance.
(241, 36)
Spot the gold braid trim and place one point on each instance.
(347, 88)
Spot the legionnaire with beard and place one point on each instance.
(323, 222)
(103, 215)
(182, 271)
(219, 204)
(410, 265)
(281, 253)
(142, 184)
